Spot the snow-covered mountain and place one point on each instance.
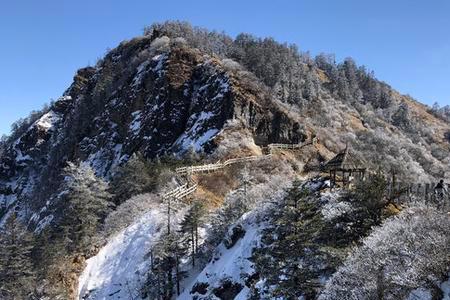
(184, 95)
(138, 99)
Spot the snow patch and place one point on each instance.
(445, 287)
(48, 121)
(121, 264)
(135, 125)
(232, 264)
(333, 208)
(141, 71)
(193, 137)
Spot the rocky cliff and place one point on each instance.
(139, 98)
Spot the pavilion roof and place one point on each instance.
(345, 160)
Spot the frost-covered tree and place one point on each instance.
(190, 225)
(16, 268)
(408, 252)
(86, 202)
(129, 211)
(402, 118)
(136, 176)
(165, 274)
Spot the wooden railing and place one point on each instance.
(175, 192)
(187, 189)
(218, 165)
(418, 190)
(273, 147)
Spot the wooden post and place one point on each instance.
(419, 191)
(393, 182)
(343, 179)
(408, 192)
(334, 178)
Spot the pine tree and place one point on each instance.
(134, 177)
(165, 275)
(86, 203)
(16, 268)
(287, 265)
(370, 199)
(190, 225)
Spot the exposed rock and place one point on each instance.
(227, 290)
(200, 288)
(235, 234)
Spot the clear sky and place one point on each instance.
(43, 43)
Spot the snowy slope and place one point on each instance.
(445, 286)
(230, 264)
(119, 268)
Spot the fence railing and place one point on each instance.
(186, 189)
(180, 192)
(218, 165)
(272, 147)
(407, 191)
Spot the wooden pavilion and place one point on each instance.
(347, 165)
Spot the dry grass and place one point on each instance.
(213, 187)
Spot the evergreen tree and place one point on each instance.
(16, 268)
(165, 274)
(402, 117)
(293, 247)
(190, 225)
(370, 199)
(86, 203)
(135, 177)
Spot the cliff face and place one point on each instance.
(138, 99)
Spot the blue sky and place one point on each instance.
(43, 43)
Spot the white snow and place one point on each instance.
(231, 263)
(141, 71)
(48, 120)
(193, 138)
(334, 207)
(135, 125)
(420, 294)
(43, 223)
(105, 160)
(445, 287)
(122, 261)
(120, 267)
(20, 158)
(160, 59)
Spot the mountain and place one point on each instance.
(180, 95)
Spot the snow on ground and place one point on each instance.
(160, 60)
(231, 263)
(48, 120)
(333, 207)
(20, 158)
(445, 286)
(141, 71)
(135, 125)
(193, 137)
(420, 294)
(120, 266)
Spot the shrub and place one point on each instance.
(407, 252)
(128, 212)
(370, 199)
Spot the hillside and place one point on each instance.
(180, 95)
